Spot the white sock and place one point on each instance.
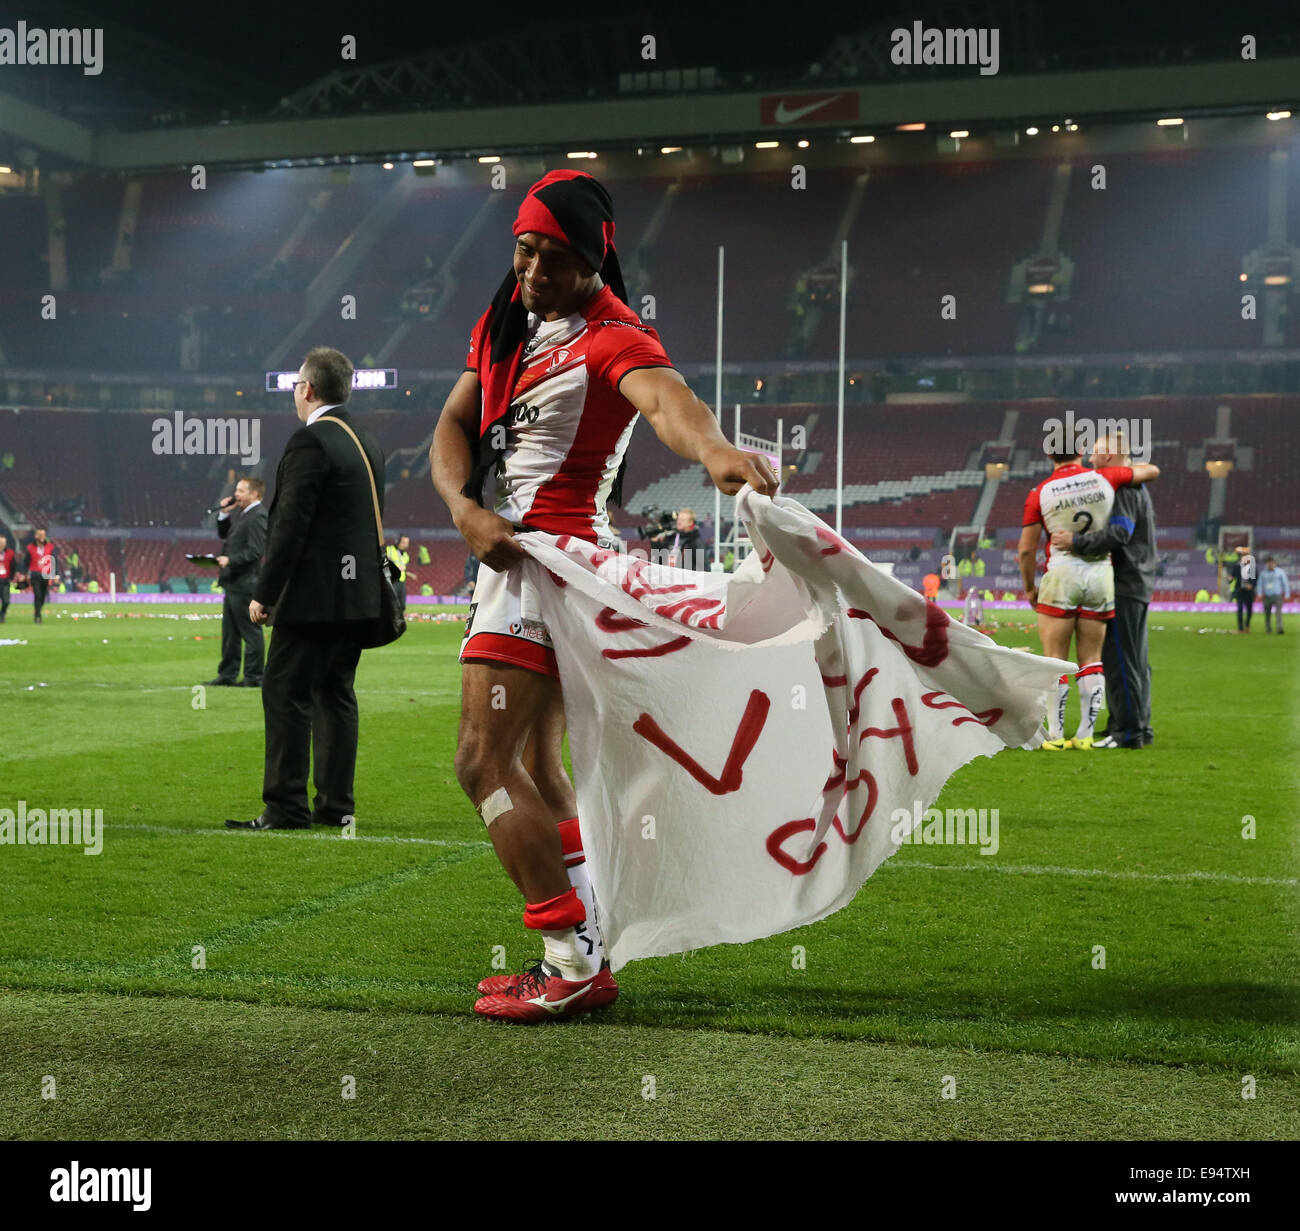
(590, 944)
(1092, 687)
(588, 932)
(1056, 715)
(566, 951)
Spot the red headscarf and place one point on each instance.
(574, 209)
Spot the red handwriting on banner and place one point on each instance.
(751, 726)
(903, 731)
(934, 644)
(873, 797)
(654, 651)
(840, 681)
(636, 579)
(777, 837)
(986, 718)
(609, 621)
(837, 544)
(839, 782)
(684, 608)
(857, 695)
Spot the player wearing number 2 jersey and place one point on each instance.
(1077, 593)
(532, 437)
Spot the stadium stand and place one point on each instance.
(1171, 226)
(913, 466)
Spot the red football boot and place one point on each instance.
(542, 993)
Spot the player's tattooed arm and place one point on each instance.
(451, 462)
(1028, 555)
(688, 427)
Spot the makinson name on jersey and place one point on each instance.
(1075, 499)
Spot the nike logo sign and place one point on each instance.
(554, 1006)
(782, 116)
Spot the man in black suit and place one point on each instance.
(1244, 573)
(319, 585)
(241, 523)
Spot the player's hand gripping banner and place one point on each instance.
(740, 741)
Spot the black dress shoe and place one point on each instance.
(221, 684)
(338, 822)
(250, 683)
(261, 822)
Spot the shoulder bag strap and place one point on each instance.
(374, 495)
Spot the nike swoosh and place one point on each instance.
(554, 1006)
(782, 116)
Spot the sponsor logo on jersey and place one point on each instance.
(530, 630)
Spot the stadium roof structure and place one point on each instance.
(530, 88)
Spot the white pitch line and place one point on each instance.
(1021, 869)
(1029, 869)
(321, 835)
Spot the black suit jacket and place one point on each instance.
(244, 534)
(322, 552)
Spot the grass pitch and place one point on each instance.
(326, 959)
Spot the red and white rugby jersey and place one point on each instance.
(40, 559)
(568, 426)
(1075, 499)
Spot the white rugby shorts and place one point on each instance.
(1082, 588)
(505, 624)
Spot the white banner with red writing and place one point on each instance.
(740, 741)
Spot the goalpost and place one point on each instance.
(773, 450)
(738, 540)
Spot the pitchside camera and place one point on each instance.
(657, 521)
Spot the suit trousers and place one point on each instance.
(1128, 673)
(40, 592)
(1245, 606)
(238, 631)
(310, 709)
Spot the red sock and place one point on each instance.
(555, 914)
(571, 841)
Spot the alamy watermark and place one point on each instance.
(1078, 435)
(56, 827)
(23, 44)
(954, 827)
(922, 45)
(211, 436)
(123, 1185)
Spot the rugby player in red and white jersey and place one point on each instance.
(532, 437)
(40, 571)
(7, 576)
(1077, 594)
